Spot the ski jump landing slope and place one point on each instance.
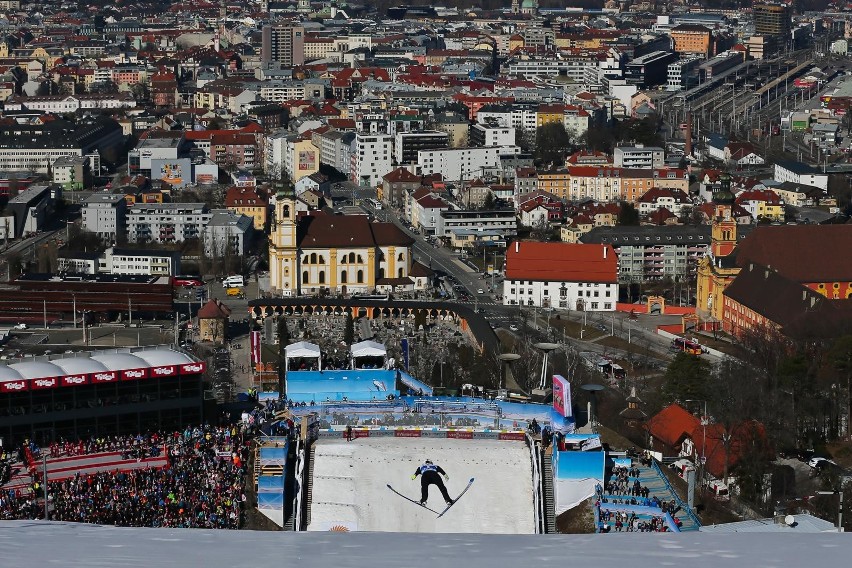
(350, 486)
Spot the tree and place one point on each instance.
(140, 91)
(840, 359)
(552, 143)
(488, 202)
(103, 87)
(524, 140)
(690, 215)
(686, 378)
(628, 215)
(46, 88)
(349, 329)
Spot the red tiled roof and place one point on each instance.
(672, 424)
(802, 253)
(561, 262)
(214, 309)
(401, 175)
(243, 196)
(766, 195)
(655, 193)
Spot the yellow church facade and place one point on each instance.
(346, 254)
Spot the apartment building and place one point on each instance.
(143, 262)
(372, 159)
(463, 163)
(408, 144)
(649, 253)
(166, 222)
(104, 215)
(503, 221)
(638, 156)
(484, 134)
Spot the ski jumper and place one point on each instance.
(430, 474)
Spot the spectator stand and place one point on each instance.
(62, 467)
(642, 515)
(654, 490)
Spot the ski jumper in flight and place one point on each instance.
(430, 474)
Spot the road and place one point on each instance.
(440, 258)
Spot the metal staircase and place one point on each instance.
(547, 491)
(309, 479)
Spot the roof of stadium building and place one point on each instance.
(92, 362)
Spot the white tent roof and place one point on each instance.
(369, 349)
(302, 349)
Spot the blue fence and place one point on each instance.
(321, 386)
(683, 506)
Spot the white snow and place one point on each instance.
(350, 486)
(69, 545)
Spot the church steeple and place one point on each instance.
(724, 231)
(283, 257)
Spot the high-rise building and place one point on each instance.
(283, 43)
(773, 20)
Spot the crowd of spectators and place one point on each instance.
(202, 485)
(620, 483)
(139, 446)
(619, 521)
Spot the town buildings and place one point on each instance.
(560, 275)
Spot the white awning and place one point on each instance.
(369, 349)
(302, 349)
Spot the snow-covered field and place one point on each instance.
(350, 486)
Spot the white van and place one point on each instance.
(233, 282)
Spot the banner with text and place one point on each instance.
(562, 395)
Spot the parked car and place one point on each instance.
(817, 462)
(513, 327)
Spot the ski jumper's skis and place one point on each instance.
(456, 500)
(412, 500)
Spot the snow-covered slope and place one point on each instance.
(350, 486)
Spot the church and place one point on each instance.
(808, 261)
(318, 252)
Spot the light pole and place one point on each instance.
(704, 435)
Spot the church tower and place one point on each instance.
(717, 269)
(283, 248)
(723, 236)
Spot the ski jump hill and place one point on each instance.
(350, 478)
